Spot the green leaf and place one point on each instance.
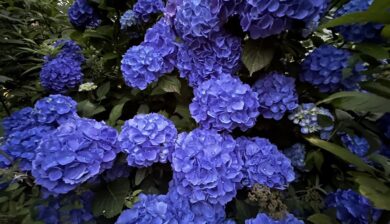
(320, 218)
(383, 161)
(386, 32)
(244, 211)
(374, 50)
(257, 55)
(4, 79)
(116, 112)
(380, 87)
(89, 109)
(109, 200)
(103, 90)
(167, 84)
(140, 176)
(358, 101)
(340, 152)
(143, 109)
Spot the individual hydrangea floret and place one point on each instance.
(361, 32)
(225, 103)
(61, 74)
(147, 139)
(128, 19)
(206, 166)
(357, 145)
(296, 153)
(264, 163)
(263, 18)
(82, 15)
(144, 9)
(263, 218)
(75, 152)
(277, 95)
(200, 59)
(141, 65)
(323, 68)
(22, 145)
(54, 110)
(18, 121)
(352, 207)
(384, 125)
(307, 116)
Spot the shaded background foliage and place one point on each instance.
(28, 29)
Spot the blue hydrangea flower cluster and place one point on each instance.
(264, 163)
(352, 82)
(63, 71)
(359, 32)
(357, 145)
(144, 9)
(147, 139)
(323, 68)
(306, 116)
(352, 207)
(384, 125)
(18, 121)
(263, 18)
(206, 167)
(263, 218)
(200, 59)
(128, 19)
(82, 15)
(73, 153)
(225, 103)
(277, 95)
(296, 153)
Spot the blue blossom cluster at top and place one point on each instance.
(306, 116)
(225, 103)
(323, 68)
(358, 32)
(357, 145)
(296, 153)
(82, 15)
(263, 218)
(206, 166)
(145, 63)
(147, 139)
(264, 164)
(200, 59)
(74, 152)
(63, 71)
(54, 210)
(352, 207)
(128, 19)
(277, 95)
(263, 18)
(141, 13)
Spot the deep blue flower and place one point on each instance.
(200, 59)
(264, 163)
(69, 49)
(357, 145)
(206, 166)
(277, 95)
(18, 121)
(82, 15)
(61, 74)
(75, 152)
(263, 218)
(54, 110)
(384, 125)
(352, 207)
(120, 170)
(324, 67)
(263, 18)
(147, 139)
(307, 116)
(361, 32)
(128, 19)
(144, 9)
(296, 153)
(225, 103)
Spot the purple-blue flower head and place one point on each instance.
(54, 110)
(147, 139)
(277, 95)
(361, 32)
(225, 103)
(82, 15)
(264, 163)
(128, 19)
(142, 65)
(296, 153)
(69, 49)
(200, 59)
(263, 18)
(263, 218)
(352, 207)
(144, 9)
(206, 167)
(72, 154)
(18, 121)
(357, 145)
(323, 68)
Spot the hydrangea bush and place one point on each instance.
(195, 111)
